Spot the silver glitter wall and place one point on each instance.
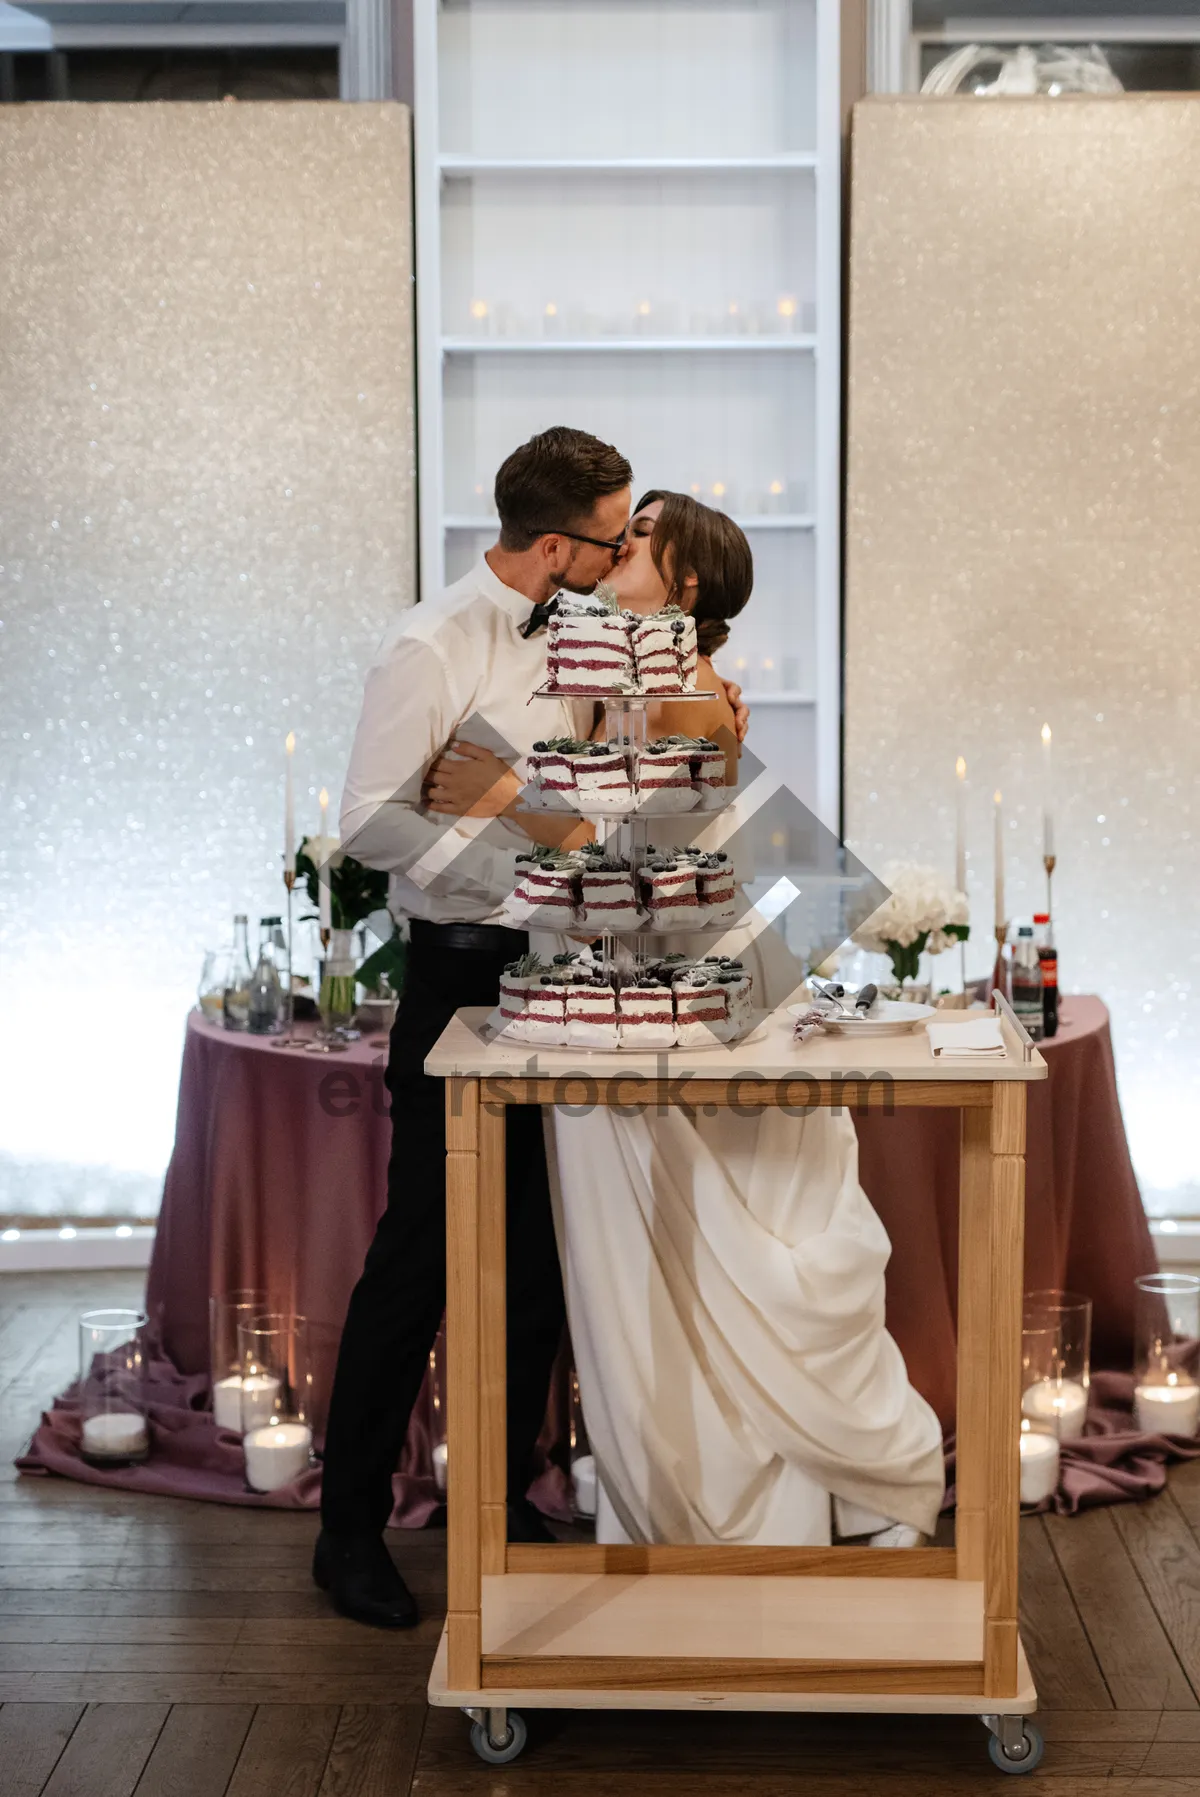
(1023, 541)
(206, 521)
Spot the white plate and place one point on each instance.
(888, 1017)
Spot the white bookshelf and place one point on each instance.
(628, 219)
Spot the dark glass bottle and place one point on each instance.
(1048, 958)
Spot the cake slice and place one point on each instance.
(518, 980)
(547, 891)
(591, 1009)
(609, 898)
(646, 1012)
(664, 777)
(601, 777)
(715, 888)
(669, 894)
(551, 772)
(708, 773)
(701, 1009)
(664, 652)
(546, 1013)
(588, 645)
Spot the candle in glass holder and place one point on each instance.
(583, 1484)
(276, 1455)
(1039, 1465)
(246, 1403)
(441, 1465)
(115, 1435)
(1168, 1406)
(788, 311)
(1062, 1402)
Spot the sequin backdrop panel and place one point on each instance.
(1024, 542)
(206, 522)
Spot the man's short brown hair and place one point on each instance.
(553, 482)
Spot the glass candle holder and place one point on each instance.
(277, 1387)
(437, 1404)
(225, 1312)
(1059, 1393)
(1039, 1461)
(1167, 1354)
(583, 1461)
(112, 1387)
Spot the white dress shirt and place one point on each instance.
(452, 666)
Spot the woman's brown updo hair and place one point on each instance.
(690, 538)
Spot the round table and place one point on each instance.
(279, 1175)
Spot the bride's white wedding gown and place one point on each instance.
(725, 1290)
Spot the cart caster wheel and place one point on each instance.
(508, 1750)
(1029, 1758)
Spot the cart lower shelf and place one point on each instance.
(581, 1641)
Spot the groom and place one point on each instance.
(458, 663)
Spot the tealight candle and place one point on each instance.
(115, 1435)
(1170, 1407)
(1062, 1402)
(276, 1455)
(1039, 1466)
(441, 1465)
(244, 1403)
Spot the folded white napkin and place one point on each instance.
(981, 1041)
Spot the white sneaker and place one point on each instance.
(898, 1534)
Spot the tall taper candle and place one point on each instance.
(1047, 801)
(1000, 917)
(289, 809)
(323, 802)
(324, 875)
(960, 833)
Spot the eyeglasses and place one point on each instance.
(616, 545)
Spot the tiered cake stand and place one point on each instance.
(627, 834)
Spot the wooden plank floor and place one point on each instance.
(151, 1648)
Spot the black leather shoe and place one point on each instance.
(360, 1577)
(525, 1523)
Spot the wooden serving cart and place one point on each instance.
(585, 1626)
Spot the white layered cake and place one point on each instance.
(609, 900)
(715, 888)
(669, 896)
(647, 1013)
(519, 980)
(664, 778)
(588, 646)
(664, 652)
(708, 773)
(591, 1013)
(701, 1008)
(600, 774)
(550, 773)
(547, 890)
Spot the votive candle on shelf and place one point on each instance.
(1039, 1465)
(1062, 1402)
(1168, 1406)
(276, 1455)
(115, 1435)
(244, 1403)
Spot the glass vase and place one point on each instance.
(226, 1311)
(1059, 1393)
(337, 982)
(1167, 1354)
(277, 1392)
(112, 1387)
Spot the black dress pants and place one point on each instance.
(397, 1305)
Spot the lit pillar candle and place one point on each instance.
(289, 809)
(115, 1435)
(1000, 917)
(241, 1404)
(583, 1484)
(1039, 1465)
(1062, 1402)
(276, 1455)
(1047, 802)
(960, 830)
(1169, 1407)
(441, 1466)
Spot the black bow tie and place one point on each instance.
(539, 617)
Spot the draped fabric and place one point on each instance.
(725, 1289)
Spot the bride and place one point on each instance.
(725, 1275)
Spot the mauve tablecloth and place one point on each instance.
(279, 1174)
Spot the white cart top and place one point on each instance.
(466, 1050)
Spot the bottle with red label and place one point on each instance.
(1048, 961)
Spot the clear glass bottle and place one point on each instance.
(266, 995)
(236, 1006)
(1027, 982)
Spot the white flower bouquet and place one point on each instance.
(923, 910)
